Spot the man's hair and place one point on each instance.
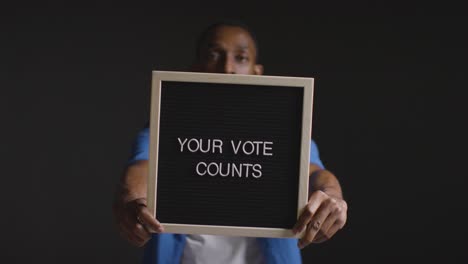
(208, 32)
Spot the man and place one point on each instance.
(225, 48)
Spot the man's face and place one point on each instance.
(229, 49)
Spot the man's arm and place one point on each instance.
(134, 220)
(326, 211)
(323, 180)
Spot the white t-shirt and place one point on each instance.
(210, 249)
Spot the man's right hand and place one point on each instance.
(134, 221)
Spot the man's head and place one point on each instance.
(227, 47)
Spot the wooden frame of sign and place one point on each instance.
(192, 218)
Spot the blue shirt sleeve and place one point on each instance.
(140, 150)
(314, 155)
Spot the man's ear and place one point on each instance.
(258, 69)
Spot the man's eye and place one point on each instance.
(242, 58)
(213, 55)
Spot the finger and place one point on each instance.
(314, 226)
(325, 231)
(338, 220)
(132, 227)
(138, 242)
(339, 216)
(331, 219)
(134, 239)
(129, 227)
(140, 232)
(333, 229)
(123, 217)
(314, 203)
(131, 237)
(320, 237)
(147, 218)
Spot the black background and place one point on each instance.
(228, 112)
(75, 85)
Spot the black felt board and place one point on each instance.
(229, 112)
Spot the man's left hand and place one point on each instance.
(322, 217)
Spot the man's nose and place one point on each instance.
(229, 66)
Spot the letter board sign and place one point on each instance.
(229, 154)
